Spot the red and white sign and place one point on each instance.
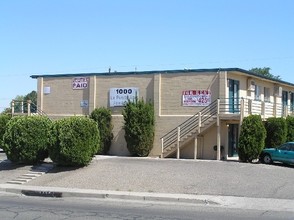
(196, 97)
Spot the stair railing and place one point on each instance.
(188, 126)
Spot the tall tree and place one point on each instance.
(265, 71)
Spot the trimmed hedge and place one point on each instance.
(290, 126)
(75, 141)
(252, 137)
(26, 138)
(276, 129)
(4, 119)
(139, 127)
(102, 116)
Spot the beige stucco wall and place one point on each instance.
(119, 145)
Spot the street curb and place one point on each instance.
(59, 192)
(264, 204)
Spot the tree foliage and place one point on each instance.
(276, 130)
(252, 138)
(139, 127)
(102, 116)
(33, 97)
(265, 71)
(20, 103)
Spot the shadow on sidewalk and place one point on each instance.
(61, 169)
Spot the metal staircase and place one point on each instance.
(198, 123)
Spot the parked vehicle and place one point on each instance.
(283, 153)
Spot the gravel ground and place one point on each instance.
(176, 176)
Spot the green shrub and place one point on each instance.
(290, 128)
(75, 141)
(252, 137)
(26, 139)
(276, 132)
(139, 127)
(4, 118)
(102, 116)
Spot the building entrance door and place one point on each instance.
(233, 140)
(233, 96)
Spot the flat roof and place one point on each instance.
(115, 73)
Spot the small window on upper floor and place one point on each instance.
(267, 95)
(257, 93)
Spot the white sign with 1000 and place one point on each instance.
(119, 96)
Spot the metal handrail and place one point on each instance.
(189, 125)
(39, 111)
(24, 108)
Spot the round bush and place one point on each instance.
(26, 138)
(75, 141)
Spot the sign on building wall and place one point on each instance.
(196, 97)
(47, 90)
(119, 96)
(80, 83)
(84, 103)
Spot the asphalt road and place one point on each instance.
(23, 208)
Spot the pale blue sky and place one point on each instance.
(80, 36)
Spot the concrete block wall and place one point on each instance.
(172, 86)
(104, 83)
(63, 99)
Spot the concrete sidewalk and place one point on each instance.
(229, 184)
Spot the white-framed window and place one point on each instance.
(257, 93)
(267, 94)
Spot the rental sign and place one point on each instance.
(196, 97)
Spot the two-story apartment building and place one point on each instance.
(198, 112)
